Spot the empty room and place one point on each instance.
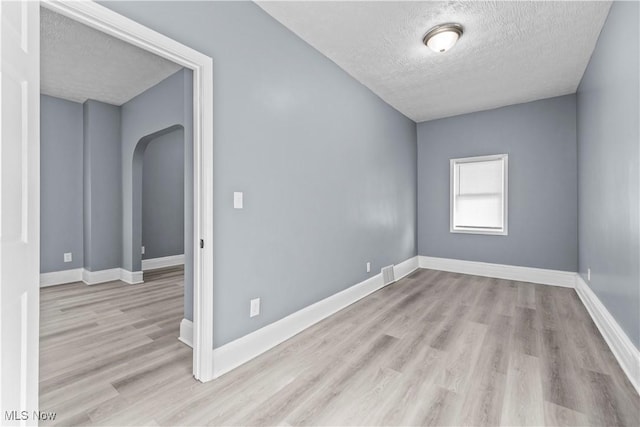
(321, 213)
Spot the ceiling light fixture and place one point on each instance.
(442, 37)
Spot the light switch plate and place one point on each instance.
(238, 200)
(255, 307)
(68, 257)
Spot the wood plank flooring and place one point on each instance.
(435, 348)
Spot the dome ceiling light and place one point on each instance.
(442, 37)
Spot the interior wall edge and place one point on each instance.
(625, 352)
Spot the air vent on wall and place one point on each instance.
(387, 275)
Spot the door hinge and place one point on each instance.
(201, 244)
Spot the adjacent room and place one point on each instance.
(258, 213)
(115, 165)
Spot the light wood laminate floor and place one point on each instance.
(435, 348)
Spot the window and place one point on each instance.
(479, 195)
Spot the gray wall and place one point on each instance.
(540, 138)
(328, 170)
(608, 159)
(163, 196)
(102, 183)
(104, 226)
(60, 184)
(155, 111)
(160, 109)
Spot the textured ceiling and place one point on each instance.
(511, 52)
(79, 63)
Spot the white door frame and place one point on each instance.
(116, 25)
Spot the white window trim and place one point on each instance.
(505, 186)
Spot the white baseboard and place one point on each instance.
(621, 346)
(90, 277)
(186, 332)
(162, 262)
(405, 268)
(60, 277)
(102, 276)
(131, 277)
(566, 279)
(240, 351)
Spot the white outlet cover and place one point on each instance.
(368, 267)
(255, 307)
(142, 250)
(68, 257)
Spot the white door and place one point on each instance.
(19, 210)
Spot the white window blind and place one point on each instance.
(479, 194)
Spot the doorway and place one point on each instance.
(19, 259)
(115, 25)
(116, 122)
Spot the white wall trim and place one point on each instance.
(162, 262)
(235, 353)
(131, 277)
(566, 279)
(100, 276)
(405, 268)
(60, 277)
(90, 277)
(103, 19)
(621, 346)
(186, 332)
(103, 276)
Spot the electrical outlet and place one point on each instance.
(368, 267)
(142, 250)
(68, 257)
(255, 307)
(588, 274)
